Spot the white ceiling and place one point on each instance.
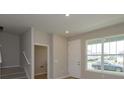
(75, 23)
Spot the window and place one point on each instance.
(106, 54)
(94, 51)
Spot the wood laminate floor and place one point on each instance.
(70, 78)
(42, 76)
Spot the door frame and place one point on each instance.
(48, 59)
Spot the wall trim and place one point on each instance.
(10, 66)
(48, 57)
(62, 77)
(41, 73)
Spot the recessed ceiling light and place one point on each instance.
(67, 32)
(67, 14)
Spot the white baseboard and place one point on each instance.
(10, 66)
(62, 77)
(41, 73)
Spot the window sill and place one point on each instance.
(107, 72)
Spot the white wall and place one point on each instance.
(42, 38)
(60, 66)
(10, 49)
(113, 30)
(26, 46)
(58, 51)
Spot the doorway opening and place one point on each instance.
(41, 61)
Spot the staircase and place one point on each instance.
(13, 73)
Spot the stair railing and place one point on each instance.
(26, 58)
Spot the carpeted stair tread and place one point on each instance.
(12, 70)
(14, 76)
(13, 73)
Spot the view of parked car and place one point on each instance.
(108, 66)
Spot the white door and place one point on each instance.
(74, 58)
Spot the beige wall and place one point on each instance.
(113, 30)
(40, 60)
(60, 56)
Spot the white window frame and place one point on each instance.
(102, 57)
